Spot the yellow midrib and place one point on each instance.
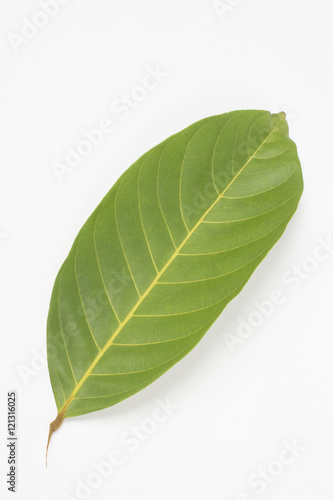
(131, 313)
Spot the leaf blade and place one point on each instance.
(173, 241)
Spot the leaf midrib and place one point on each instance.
(153, 283)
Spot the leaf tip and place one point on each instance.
(280, 116)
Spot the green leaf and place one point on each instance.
(173, 241)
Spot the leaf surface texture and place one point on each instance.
(174, 240)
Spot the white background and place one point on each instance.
(237, 407)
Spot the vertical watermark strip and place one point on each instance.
(11, 441)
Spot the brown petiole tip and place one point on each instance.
(53, 427)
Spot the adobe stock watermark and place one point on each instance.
(3, 237)
(130, 441)
(260, 480)
(219, 181)
(121, 108)
(36, 365)
(292, 280)
(30, 27)
(225, 7)
(94, 306)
